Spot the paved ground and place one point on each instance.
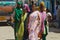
(7, 33)
(54, 34)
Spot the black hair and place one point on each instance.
(47, 10)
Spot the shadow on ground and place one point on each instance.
(5, 24)
(56, 30)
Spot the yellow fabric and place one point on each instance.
(42, 3)
(21, 28)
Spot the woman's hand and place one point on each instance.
(40, 35)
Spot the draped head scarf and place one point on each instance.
(42, 5)
(26, 7)
(19, 3)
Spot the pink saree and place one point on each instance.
(43, 17)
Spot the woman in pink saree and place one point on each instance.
(34, 24)
(43, 18)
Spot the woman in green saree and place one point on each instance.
(17, 18)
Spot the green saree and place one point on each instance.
(17, 18)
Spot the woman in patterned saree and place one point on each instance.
(34, 24)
